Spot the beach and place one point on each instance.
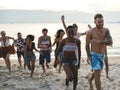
(19, 78)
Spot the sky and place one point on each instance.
(91, 6)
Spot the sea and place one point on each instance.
(36, 29)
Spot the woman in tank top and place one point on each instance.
(5, 49)
(70, 63)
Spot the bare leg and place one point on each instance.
(8, 63)
(43, 67)
(97, 79)
(32, 68)
(60, 67)
(29, 66)
(75, 73)
(68, 72)
(106, 66)
(19, 60)
(47, 65)
(24, 65)
(90, 81)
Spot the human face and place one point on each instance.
(19, 36)
(70, 32)
(75, 30)
(62, 34)
(99, 23)
(3, 34)
(44, 33)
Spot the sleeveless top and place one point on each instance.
(45, 43)
(5, 43)
(70, 47)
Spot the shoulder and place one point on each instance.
(89, 32)
(77, 41)
(40, 37)
(48, 37)
(106, 29)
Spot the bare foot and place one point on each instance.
(90, 84)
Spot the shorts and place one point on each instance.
(43, 56)
(69, 60)
(19, 54)
(29, 57)
(6, 50)
(97, 60)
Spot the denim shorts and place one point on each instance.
(44, 56)
(97, 60)
(29, 57)
(69, 60)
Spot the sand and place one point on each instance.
(19, 78)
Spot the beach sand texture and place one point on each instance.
(19, 78)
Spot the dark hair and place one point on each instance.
(75, 25)
(31, 37)
(98, 16)
(58, 33)
(69, 27)
(44, 29)
(18, 33)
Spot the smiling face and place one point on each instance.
(99, 23)
(70, 32)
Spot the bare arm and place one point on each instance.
(83, 33)
(63, 21)
(55, 41)
(88, 38)
(89, 26)
(39, 43)
(50, 45)
(12, 39)
(79, 52)
(36, 49)
(108, 40)
(60, 47)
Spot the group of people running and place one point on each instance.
(67, 51)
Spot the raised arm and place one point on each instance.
(63, 22)
(89, 26)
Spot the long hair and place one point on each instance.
(58, 33)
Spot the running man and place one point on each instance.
(44, 43)
(98, 37)
(106, 57)
(19, 43)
